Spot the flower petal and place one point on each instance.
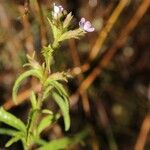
(82, 22)
(56, 9)
(90, 29)
(87, 25)
(61, 8)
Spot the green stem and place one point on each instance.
(33, 123)
(55, 44)
(35, 114)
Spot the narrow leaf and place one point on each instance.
(12, 140)
(77, 33)
(11, 120)
(59, 87)
(40, 142)
(56, 31)
(47, 111)
(58, 144)
(65, 110)
(33, 72)
(64, 143)
(8, 132)
(67, 21)
(45, 122)
(58, 77)
(47, 92)
(62, 92)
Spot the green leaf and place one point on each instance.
(30, 122)
(9, 132)
(47, 111)
(34, 72)
(62, 92)
(58, 76)
(64, 108)
(62, 100)
(13, 140)
(58, 144)
(77, 33)
(40, 142)
(11, 120)
(16, 135)
(56, 31)
(66, 101)
(59, 87)
(64, 143)
(47, 92)
(45, 122)
(67, 21)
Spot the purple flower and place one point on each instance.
(86, 25)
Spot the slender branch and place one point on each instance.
(105, 31)
(42, 24)
(76, 61)
(143, 135)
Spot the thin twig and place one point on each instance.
(144, 131)
(76, 61)
(27, 28)
(102, 117)
(42, 24)
(105, 31)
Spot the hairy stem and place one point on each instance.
(33, 123)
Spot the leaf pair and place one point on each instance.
(64, 108)
(61, 98)
(11, 120)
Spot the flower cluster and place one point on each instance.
(57, 11)
(83, 24)
(86, 25)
